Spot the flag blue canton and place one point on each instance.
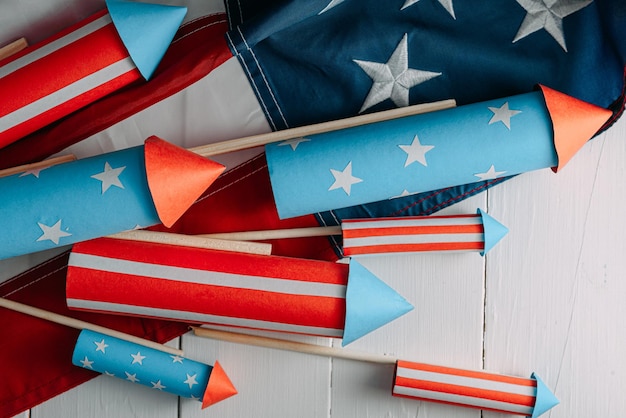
(143, 365)
(315, 60)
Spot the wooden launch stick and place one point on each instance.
(37, 166)
(268, 138)
(12, 48)
(78, 324)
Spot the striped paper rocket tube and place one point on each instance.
(474, 389)
(430, 151)
(479, 232)
(97, 56)
(99, 196)
(229, 289)
(153, 368)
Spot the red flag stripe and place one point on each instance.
(407, 248)
(412, 230)
(467, 373)
(57, 78)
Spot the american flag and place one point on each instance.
(149, 367)
(226, 288)
(78, 66)
(475, 389)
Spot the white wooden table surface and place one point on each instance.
(549, 298)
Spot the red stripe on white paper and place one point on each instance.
(414, 234)
(207, 286)
(55, 78)
(467, 388)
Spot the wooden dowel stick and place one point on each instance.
(314, 231)
(264, 139)
(195, 241)
(280, 344)
(38, 165)
(78, 324)
(13, 48)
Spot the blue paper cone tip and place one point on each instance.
(146, 29)
(370, 303)
(544, 399)
(494, 231)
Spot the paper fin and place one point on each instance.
(494, 231)
(146, 29)
(370, 303)
(574, 122)
(544, 399)
(176, 177)
(219, 387)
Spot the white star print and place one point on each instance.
(177, 359)
(548, 15)
(109, 373)
(132, 377)
(109, 177)
(137, 358)
(87, 363)
(344, 179)
(490, 174)
(503, 114)
(447, 4)
(293, 143)
(330, 5)
(393, 79)
(191, 380)
(158, 385)
(416, 152)
(35, 172)
(100, 346)
(52, 233)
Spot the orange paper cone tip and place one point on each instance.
(574, 123)
(219, 388)
(176, 177)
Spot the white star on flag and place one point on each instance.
(416, 152)
(132, 377)
(191, 380)
(548, 15)
(52, 233)
(503, 114)
(447, 4)
(87, 363)
(177, 359)
(100, 346)
(35, 172)
(158, 385)
(393, 79)
(110, 177)
(344, 179)
(138, 358)
(330, 5)
(490, 174)
(293, 143)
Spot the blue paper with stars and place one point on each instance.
(75, 201)
(143, 365)
(410, 155)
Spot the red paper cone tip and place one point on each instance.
(176, 177)
(219, 388)
(574, 123)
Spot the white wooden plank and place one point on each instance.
(555, 289)
(271, 383)
(445, 328)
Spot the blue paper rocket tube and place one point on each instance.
(98, 196)
(429, 151)
(153, 368)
